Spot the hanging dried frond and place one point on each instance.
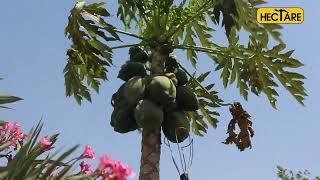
(242, 119)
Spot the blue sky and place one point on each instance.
(32, 54)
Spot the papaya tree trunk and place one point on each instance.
(150, 157)
(151, 140)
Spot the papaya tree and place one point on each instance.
(159, 94)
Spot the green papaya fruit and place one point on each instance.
(161, 90)
(122, 119)
(134, 90)
(131, 69)
(134, 51)
(186, 99)
(148, 115)
(166, 49)
(171, 64)
(181, 77)
(176, 126)
(172, 77)
(140, 57)
(118, 96)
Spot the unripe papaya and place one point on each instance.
(141, 57)
(166, 49)
(181, 77)
(122, 119)
(148, 115)
(176, 126)
(134, 89)
(118, 97)
(134, 51)
(138, 55)
(186, 99)
(173, 78)
(161, 90)
(131, 69)
(171, 64)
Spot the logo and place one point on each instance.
(280, 15)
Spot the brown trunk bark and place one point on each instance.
(150, 157)
(151, 140)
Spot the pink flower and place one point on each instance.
(121, 171)
(17, 137)
(85, 168)
(105, 162)
(2, 133)
(113, 170)
(45, 144)
(15, 128)
(22, 136)
(105, 167)
(6, 127)
(12, 133)
(88, 152)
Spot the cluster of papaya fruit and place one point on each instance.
(153, 101)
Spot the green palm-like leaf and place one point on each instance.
(5, 99)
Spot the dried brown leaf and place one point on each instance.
(242, 119)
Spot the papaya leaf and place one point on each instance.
(228, 9)
(189, 40)
(128, 12)
(256, 69)
(88, 56)
(196, 28)
(208, 101)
